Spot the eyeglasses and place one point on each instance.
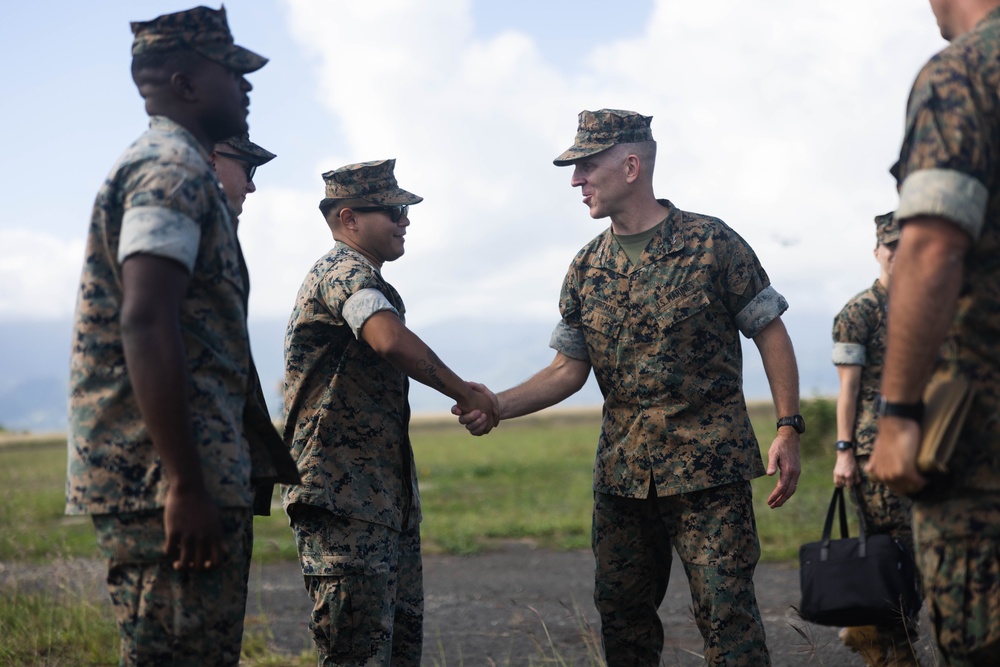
(249, 163)
(396, 213)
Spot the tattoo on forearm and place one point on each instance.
(431, 369)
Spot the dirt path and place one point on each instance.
(520, 605)
(514, 606)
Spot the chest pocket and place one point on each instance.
(681, 305)
(602, 334)
(601, 325)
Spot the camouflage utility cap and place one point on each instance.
(886, 228)
(244, 145)
(372, 182)
(600, 130)
(202, 30)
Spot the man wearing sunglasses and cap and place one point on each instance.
(348, 360)
(160, 360)
(236, 160)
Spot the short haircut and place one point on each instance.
(644, 150)
(328, 205)
(160, 65)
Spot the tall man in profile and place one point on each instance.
(160, 358)
(655, 305)
(945, 323)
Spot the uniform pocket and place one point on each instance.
(681, 304)
(333, 585)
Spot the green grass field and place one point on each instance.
(529, 479)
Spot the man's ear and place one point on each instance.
(182, 87)
(347, 219)
(632, 168)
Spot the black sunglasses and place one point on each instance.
(396, 213)
(249, 164)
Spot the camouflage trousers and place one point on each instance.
(366, 584)
(891, 514)
(170, 617)
(959, 557)
(715, 535)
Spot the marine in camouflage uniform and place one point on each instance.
(235, 161)
(348, 359)
(156, 451)
(858, 351)
(656, 305)
(946, 289)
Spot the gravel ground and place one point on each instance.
(517, 605)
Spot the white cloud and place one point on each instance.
(781, 118)
(39, 274)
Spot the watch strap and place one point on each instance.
(914, 411)
(795, 421)
(845, 445)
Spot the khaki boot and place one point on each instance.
(864, 641)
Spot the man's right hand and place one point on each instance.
(482, 413)
(193, 526)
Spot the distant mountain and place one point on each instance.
(34, 361)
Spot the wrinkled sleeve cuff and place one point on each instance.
(945, 193)
(569, 341)
(164, 232)
(849, 354)
(362, 305)
(760, 312)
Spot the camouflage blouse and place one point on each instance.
(859, 340)
(663, 338)
(949, 167)
(161, 198)
(346, 408)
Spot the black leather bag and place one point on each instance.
(866, 580)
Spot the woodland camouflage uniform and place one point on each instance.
(949, 167)
(676, 450)
(163, 198)
(356, 515)
(859, 340)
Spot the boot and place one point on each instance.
(864, 641)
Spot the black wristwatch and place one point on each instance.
(845, 446)
(795, 421)
(914, 411)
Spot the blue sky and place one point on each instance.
(782, 118)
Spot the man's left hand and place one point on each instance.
(894, 458)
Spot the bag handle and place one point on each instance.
(837, 503)
(859, 504)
